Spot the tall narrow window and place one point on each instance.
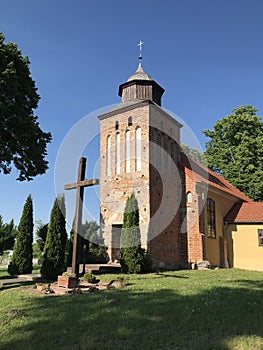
(260, 238)
(155, 150)
(163, 153)
(169, 151)
(175, 153)
(130, 121)
(201, 215)
(108, 157)
(127, 152)
(118, 153)
(116, 125)
(189, 197)
(138, 149)
(211, 219)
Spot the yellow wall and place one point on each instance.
(222, 205)
(244, 251)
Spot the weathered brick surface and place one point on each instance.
(157, 187)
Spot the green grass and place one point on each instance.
(193, 310)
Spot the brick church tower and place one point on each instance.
(139, 153)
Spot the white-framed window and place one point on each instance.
(118, 153)
(138, 148)
(108, 157)
(127, 152)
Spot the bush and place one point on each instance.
(12, 269)
(147, 263)
(132, 255)
(54, 251)
(23, 251)
(89, 277)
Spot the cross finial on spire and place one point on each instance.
(140, 46)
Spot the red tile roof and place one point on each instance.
(199, 172)
(246, 212)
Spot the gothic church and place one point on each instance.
(187, 212)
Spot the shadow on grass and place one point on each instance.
(17, 284)
(131, 319)
(161, 274)
(250, 284)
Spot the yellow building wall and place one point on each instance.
(243, 246)
(222, 206)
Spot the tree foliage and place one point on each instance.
(91, 245)
(23, 251)
(132, 255)
(193, 153)
(7, 235)
(235, 150)
(22, 142)
(54, 250)
(41, 233)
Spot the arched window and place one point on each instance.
(127, 152)
(130, 121)
(189, 197)
(118, 153)
(138, 149)
(211, 218)
(108, 157)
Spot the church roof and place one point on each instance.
(247, 212)
(139, 75)
(200, 173)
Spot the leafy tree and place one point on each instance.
(41, 233)
(23, 252)
(132, 255)
(37, 254)
(54, 250)
(22, 142)
(92, 244)
(193, 153)
(235, 150)
(7, 235)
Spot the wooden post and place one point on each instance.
(79, 185)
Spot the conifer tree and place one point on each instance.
(132, 255)
(54, 250)
(23, 252)
(8, 234)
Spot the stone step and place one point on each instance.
(100, 268)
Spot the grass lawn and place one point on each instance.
(193, 310)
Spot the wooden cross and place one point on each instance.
(79, 185)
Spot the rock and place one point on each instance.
(203, 264)
(113, 301)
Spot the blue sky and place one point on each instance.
(206, 54)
